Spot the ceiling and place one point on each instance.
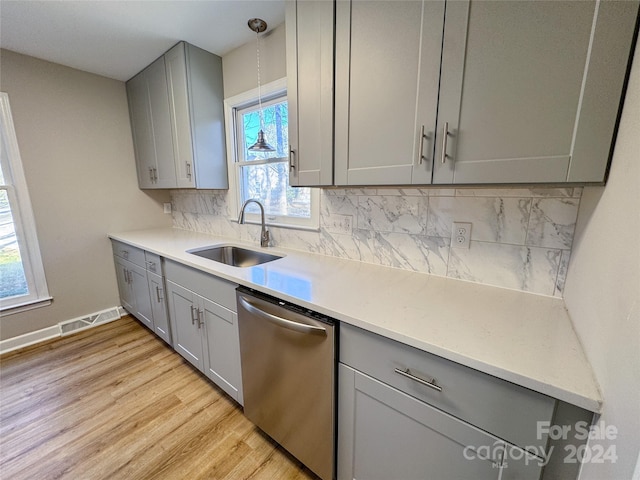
(117, 39)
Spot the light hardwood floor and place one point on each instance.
(115, 402)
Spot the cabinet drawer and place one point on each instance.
(152, 262)
(134, 254)
(426, 442)
(204, 284)
(504, 409)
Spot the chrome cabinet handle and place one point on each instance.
(421, 153)
(200, 318)
(445, 134)
(126, 276)
(407, 373)
(193, 317)
(158, 289)
(151, 266)
(155, 174)
(125, 254)
(282, 322)
(151, 174)
(292, 154)
(188, 170)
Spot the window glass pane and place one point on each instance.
(269, 183)
(12, 278)
(276, 131)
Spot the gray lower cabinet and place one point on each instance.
(404, 413)
(186, 323)
(204, 324)
(141, 287)
(124, 286)
(384, 434)
(159, 306)
(134, 290)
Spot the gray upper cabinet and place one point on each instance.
(151, 127)
(530, 90)
(177, 120)
(471, 92)
(310, 37)
(387, 71)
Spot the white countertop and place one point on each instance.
(520, 337)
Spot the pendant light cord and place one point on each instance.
(259, 88)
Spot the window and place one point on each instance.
(22, 281)
(264, 176)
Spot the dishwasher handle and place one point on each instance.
(282, 322)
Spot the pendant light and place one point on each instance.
(258, 25)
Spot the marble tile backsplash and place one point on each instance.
(520, 237)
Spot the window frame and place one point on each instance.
(23, 219)
(270, 92)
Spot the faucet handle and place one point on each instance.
(264, 238)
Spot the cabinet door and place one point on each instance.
(140, 291)
(176, 68)
(514, 89)
(384, 433)
(160, 119)
(151, 127)
(159, 307)
(141, 129)
(387, 72)
(124, 284)
(185, 325)
(222, 364)
(196, 99)
(310, 38)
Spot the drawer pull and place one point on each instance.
(407, 373)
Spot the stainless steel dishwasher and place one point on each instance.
(288, 376)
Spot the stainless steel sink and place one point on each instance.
(234, 256)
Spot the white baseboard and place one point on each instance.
(28, 339)
(39, 336)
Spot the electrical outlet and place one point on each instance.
(460, 235)
(339, 224)
(167, 208)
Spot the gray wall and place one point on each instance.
(75, 141)
(602, 291)
(239, 66)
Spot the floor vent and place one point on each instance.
(82, 323)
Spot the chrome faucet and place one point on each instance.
(264, 234)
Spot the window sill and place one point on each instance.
(23, 307)
(308, 228)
